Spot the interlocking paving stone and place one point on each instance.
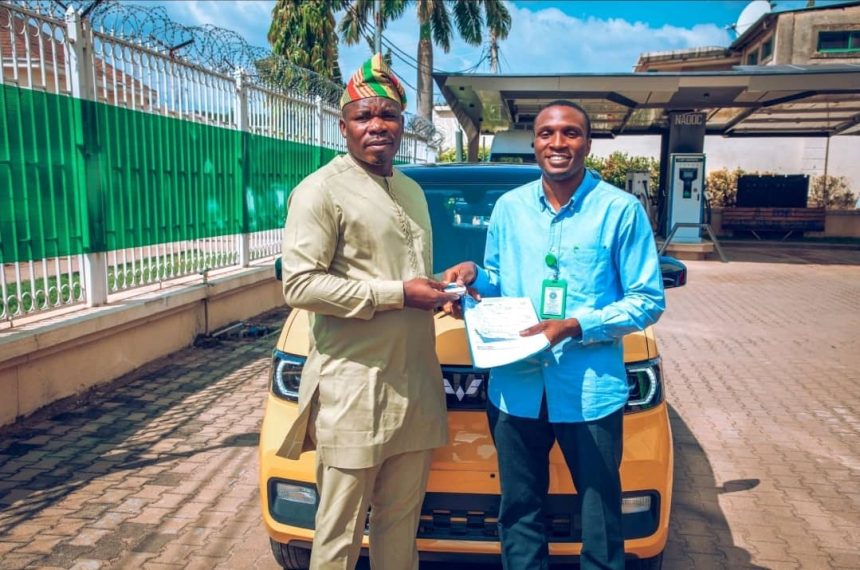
(153, 542)
(158, 469)
(762, 374)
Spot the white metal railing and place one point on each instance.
(33, 56)
(140, 78)
(265, 243)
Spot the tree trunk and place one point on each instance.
(474, 142)
(425, 74)
(494, 52)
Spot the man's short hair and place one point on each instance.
(572, 105)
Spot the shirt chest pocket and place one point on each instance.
(587, 269)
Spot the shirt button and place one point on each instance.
(546, 364)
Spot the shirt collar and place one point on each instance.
(589, 182)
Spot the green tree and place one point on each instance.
(436, 26)
(304, 32)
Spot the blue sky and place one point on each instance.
(547, 36)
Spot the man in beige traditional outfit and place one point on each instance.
(357, 255)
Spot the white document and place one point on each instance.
(493, 328)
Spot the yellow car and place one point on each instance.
(458, 518)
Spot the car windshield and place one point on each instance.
(461, 199)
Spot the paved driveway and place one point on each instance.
(761, 355)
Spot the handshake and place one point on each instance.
(422, 293)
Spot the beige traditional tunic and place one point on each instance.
(351, 239)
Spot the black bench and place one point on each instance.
(783, 220)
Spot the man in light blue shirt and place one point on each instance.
(583, 252)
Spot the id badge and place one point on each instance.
(553, 298)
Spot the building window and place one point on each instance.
(836, 41)
(767, 49)
(752, 58)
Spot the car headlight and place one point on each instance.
(286, 375)
(635, 504)
(293, 502)
(645, 383)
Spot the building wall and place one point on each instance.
(776, 155)
(689, 64)
(798, 35)
(795, 41)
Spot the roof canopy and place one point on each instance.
(816, 100)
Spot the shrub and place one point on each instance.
(838, 195)
(614, 169)
(450, 154)
(723, 190)
(722, 187)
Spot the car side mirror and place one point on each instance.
(674, 272)
(279, 271)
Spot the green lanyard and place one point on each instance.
(552, 262)
(553, 291)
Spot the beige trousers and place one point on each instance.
(394, 490)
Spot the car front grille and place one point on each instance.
(474, 517)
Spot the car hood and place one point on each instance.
(451, 346)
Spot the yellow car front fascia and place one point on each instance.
(468, 463)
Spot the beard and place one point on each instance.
(562, 176)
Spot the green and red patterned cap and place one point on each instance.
(373, 79)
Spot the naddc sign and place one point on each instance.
(686, 131)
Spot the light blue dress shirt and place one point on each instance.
(606, 253)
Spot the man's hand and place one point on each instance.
(556, 330)
(463, 273)
(422, 293)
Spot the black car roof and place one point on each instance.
(480, 173)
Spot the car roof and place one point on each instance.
(471, 173)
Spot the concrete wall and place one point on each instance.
(44, 361)
(840, 223)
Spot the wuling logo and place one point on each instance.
(462, 385)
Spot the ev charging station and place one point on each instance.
(638, 182)
(686, 195)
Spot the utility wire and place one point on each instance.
(502, 57)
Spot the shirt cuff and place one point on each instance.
(482, 280)
(591, 325)
(387, 294)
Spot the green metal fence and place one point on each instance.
(41, 203)
(157, 179)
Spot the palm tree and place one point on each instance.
(498, 21)
(435, 26)
(304, 32)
